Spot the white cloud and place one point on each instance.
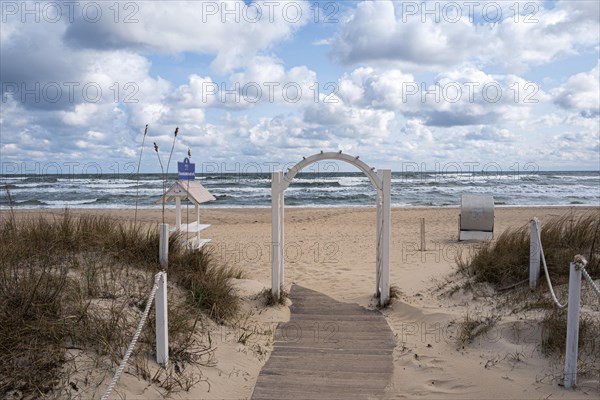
(490, 133)
(94, 135)
(128, 152)
(417, 128)
(373, 111)
(81, 115)
(82, 144)
(364, 124)
(578, 147)
(10, 147)
(469, 96)
(386, 33)
(197, 93)
(581, 92)
(457, 97)
(375, 33)
(381, 88)
(266, 80)
(233, 31)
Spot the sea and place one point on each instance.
(311, 189)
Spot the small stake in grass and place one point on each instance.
(423, 234)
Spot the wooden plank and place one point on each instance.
(193, 227)
(371, 375)
(270, 394)
(339, 384)
(291, 350)
(333, 365)
(328, 350)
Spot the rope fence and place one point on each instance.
(538, 237)
(576, 272)
(160, 281)
(591, 282)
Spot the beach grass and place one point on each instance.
(73, 285)
(269, 299)
(207, 282)
(505, 261)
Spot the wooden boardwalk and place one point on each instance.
(328, 350)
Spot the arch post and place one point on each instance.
(276, 234)
(385, 236)
(281, 238)
(378, 243)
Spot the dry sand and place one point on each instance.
(333, 251)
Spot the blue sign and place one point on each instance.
(186, 170)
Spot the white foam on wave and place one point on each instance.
(68, 202)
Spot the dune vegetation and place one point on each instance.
(74, 287)
(503, 264)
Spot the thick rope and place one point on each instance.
(546, 267)
(135, 338)
(591, 282)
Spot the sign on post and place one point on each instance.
(186, 170)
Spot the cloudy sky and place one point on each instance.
(505, 83)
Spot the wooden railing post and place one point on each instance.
(162, 322)
(534, 253)
(572, 325)
(163, 250)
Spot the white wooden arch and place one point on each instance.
(380, 179)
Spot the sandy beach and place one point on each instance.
(366, 126)
(333, 251)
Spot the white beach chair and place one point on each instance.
(476, 218)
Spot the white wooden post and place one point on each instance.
(281, 240)
(423, 234)
(386, 230)
(177, 213)
(534, 253)
(275, 236)
(162, 322)
(197, 214)
(163, 249)
(572, 325)
(378, 248)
